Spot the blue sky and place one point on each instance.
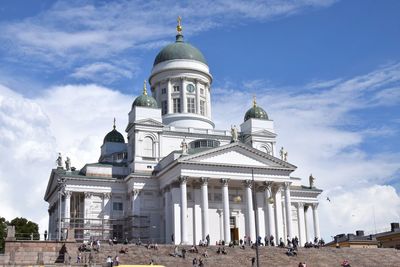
(326, 71)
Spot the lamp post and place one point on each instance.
(60, 183)
(255, 214)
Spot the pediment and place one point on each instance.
(265, 133)
(149, 122)
(237, 154)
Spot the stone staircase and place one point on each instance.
(269, 256)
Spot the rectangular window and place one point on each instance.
(177, 105)
(202, 109)
(176, 88)
(117, 206)
(202, 91)
(164, 109)
(190, 105)
(164, 91)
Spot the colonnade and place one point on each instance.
(274, 213)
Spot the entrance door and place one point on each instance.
(235, 235)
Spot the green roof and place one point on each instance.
(114, 136)
(145, 100)
(179, 50)
(256, 112)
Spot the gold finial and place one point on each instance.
(254, 101)
(144, 88)
(179, 26)
(114, 124)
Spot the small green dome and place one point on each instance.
(179, 50)
(114, 136)
(145, 100)
(256, 112)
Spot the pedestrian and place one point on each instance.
(109, 261)
(194, 262)
(253, 262)
(45, 235)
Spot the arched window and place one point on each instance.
(148, 147)
(266, 149)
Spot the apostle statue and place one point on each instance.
(311, 180)
(68, 164)
(283, 154)
(184, 146)
(59, 161)
(234, 133)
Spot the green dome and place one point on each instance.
(179, 50)
(145, 100)
(114, 136)
(256, 112)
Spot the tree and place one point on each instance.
(3, 233)
(24, 228)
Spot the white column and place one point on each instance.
(88, 203)
(204, 207)
(225, 197)
(167, 212)
(250, 226)
(183, 96)
(301, 223)
(278, 214)
(207, 91)
(260, 214)
(183, 181)
(197, 97)
(169, 97)
(197, 216)
(288, 209)
(221, 225)
(176, 215)
(269, 213)
(308, 238)
(316, 220)
(134, 202)
(67, 212)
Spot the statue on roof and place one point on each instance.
(59, 161)
(68, 164)
(184, 147)
(234, 134)
(283, 154)
(311, 180)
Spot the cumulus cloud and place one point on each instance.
(71, 119)
(107, 72)
(317, 124)
(68, 33)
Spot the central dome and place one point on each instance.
(179, 50)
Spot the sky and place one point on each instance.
(327, 72)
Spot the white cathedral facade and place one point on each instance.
(176, 178)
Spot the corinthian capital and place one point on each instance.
(224, 182)
(182, 179)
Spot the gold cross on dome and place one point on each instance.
(179, 26)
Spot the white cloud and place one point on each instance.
(66, 33)
(312, 125)
(107, 72)
(71, 119)
(315, 126)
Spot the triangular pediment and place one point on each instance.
(237, 154)
(232, 157)
(265, 133)
(149, 122)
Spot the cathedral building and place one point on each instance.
(174, 178)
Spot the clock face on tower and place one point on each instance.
(190, 88)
